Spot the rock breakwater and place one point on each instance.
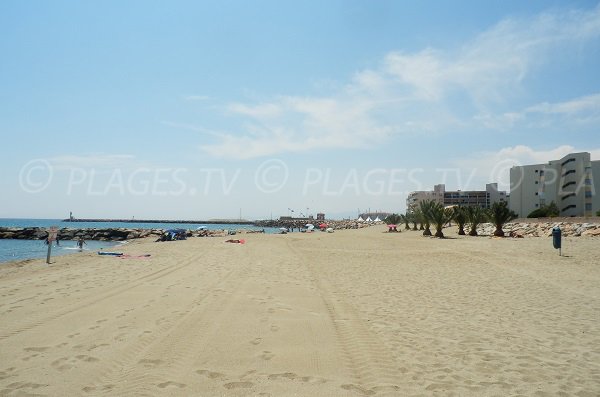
(103, 234)
(543, 229)
(300, 224)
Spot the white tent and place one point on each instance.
(369, 219)
(377, 219)
(360, 219)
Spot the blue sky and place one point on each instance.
(194, 110)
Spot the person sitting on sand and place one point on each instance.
(235, 241)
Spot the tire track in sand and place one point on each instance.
(374, 369)
(158, 361)
(107, 294)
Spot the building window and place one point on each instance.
(536, 170)
(568, 172)
(536, 182)
(566, 161)
(536, 206)
(536, 193)
(588, 194)
(541, 172)
(588, 206)
(588, 182)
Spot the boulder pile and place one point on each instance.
(107, 234)
(299, 224)
(110, 234)
(543, 229)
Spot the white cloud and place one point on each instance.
(577, 111)
(415, 93)
(585, 104)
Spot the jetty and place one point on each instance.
(208, 222)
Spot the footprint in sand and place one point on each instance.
(24, 385)
(362, 390)
(66, 363)
(238, 385)
(293, 376)
(256, 341)
(274, 328)
(36, 349)
(267, 355)
(150, 363)
(210, 374)
(164, 385)
(7, 373)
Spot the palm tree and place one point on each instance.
(414, 219)
(425, 208)
(406, 221)
(499, 214)
(475, 215)
(460, 217)
(439, 217)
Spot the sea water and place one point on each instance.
(11, 250)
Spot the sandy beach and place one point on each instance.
(356, 312)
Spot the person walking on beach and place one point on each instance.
(80, 243)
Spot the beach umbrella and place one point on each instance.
(310, 226)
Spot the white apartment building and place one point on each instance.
(570, 182)
(480, 198)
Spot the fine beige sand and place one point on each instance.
(356, 312)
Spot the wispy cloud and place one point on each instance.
(576, 111)
(431, 90)
(584, 105)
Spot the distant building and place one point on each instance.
(291, 218)
(320, 216)
(468, 198)
(570, 182)
(373, 216)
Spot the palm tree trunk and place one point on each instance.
(499, 232)
(439, 233)
(461, 230)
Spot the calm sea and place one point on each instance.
(11, 250)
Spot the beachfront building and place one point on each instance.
(569, 182)
(467, 198)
